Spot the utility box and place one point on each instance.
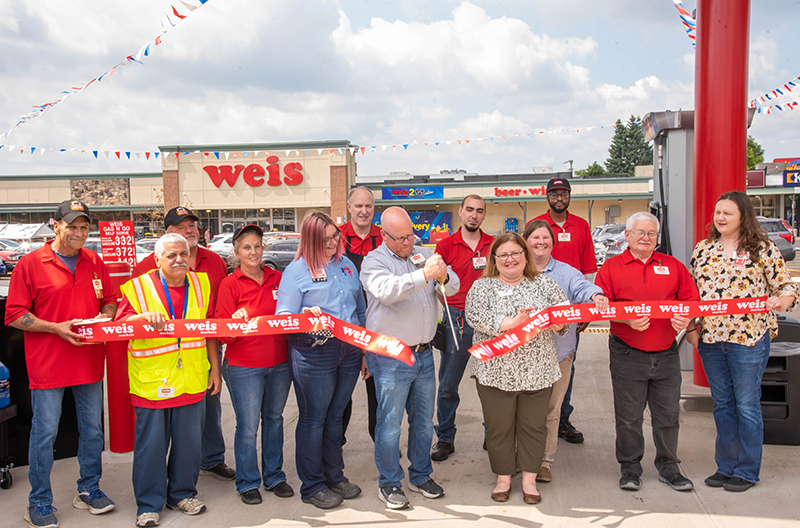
(780, 386)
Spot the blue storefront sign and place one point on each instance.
(412, 193)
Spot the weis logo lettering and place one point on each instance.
(508, 341)
(245, 327)
(676, 309)
(391, 346)
(611, 310)
(715, 307)
(206, 327)
(752, 305)
(360, 337)
(642, 310)
(570, 314)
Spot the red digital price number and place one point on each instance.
(117, 242)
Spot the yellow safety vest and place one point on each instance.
(153, 370)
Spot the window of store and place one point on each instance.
(765, 205)
(267, 219)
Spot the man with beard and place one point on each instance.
(183, 221)
(574, 246)
(465, 252)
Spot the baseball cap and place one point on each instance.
(558, 183)
(69, 210)
(175, 215)
(248, 228)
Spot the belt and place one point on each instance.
(422, 346)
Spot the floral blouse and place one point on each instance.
(720, 276)
(532, 366)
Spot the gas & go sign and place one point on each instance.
(411, 193)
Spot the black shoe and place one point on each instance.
(568, 432)
(442, 450)
(282, 490)
(220, 471)
(630, 482)
(346, 489)
(252, 496)
(678, 482)
(325, 499)
(737, 484)
(717, 480)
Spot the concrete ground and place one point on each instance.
(584, 491)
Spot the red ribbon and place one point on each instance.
(616, 311)
(262, 325)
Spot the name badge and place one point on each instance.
(563, 237)
(479, 262)
(166, 392)
(418, 259)
(741, 259)
(98, 288)
(274, 295)
(506, 293)
(322, 277)
(661, 270)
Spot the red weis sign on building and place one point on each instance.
(532, 191)
(256, 174)
(117, 242)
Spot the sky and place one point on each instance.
(375, 73)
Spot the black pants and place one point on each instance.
(372, 409)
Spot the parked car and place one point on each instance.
(3, 268)
(280, 252)
(10, 255)
(600, 253)
(780, 234)
(605, 232)
(222, 244)
(616, 245)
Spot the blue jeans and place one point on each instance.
(258, 396)
(455, 357)
(213, 442)
(324, 378)
(566, 405)
(46, 406)
(399, 388)
(734, 376)
(156, 478)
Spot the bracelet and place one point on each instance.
(693, 329)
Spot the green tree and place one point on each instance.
(628, 148)
(595, 169)
(755, 153)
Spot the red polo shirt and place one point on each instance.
(240, 291)
(458, 255)
(358, 245)
(661, 278)
(576, 247)
(42, 285)
(207, 262)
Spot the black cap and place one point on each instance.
(69, 210)
(175, 215)
(558, 183)
(246, 229)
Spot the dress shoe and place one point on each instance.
(568, 432)
(531, 498)
(501, 496)
(442, 450)
(544, 475)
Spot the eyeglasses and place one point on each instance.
(334, 238)
(505, 256)
(401, 240)
(640, 234)
(556, 195)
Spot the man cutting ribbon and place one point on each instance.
(168, 380)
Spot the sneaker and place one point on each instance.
(394, 497)
(96, 502)
(220, 471)
(568, 432)
(346, 489)
(282, 490)
(41, 516)
(189, 506)
(251, 496)
(325, 499)
(544, 475)
(148, 519)
(429, 489)
(737, 484)
(442, 450)
(717, 480)
(630, 482)
(678, 482)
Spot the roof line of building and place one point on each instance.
(296, 145)
(106, 176)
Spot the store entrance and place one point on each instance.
(229, 225)
(275, 219)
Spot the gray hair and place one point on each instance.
(169, 238)
(360, 187)
(641, 216)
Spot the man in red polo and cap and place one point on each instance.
(183, 221)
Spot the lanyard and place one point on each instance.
(172, 311)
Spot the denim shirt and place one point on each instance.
(578, 290)
(339, 295)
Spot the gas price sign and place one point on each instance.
(117, 243)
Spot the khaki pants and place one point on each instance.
(554, 410)
(516, 428)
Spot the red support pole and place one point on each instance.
(720, 115)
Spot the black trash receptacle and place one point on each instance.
(780, 386)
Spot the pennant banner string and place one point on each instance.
(144, 51)
(689, 23)
(782, 90)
